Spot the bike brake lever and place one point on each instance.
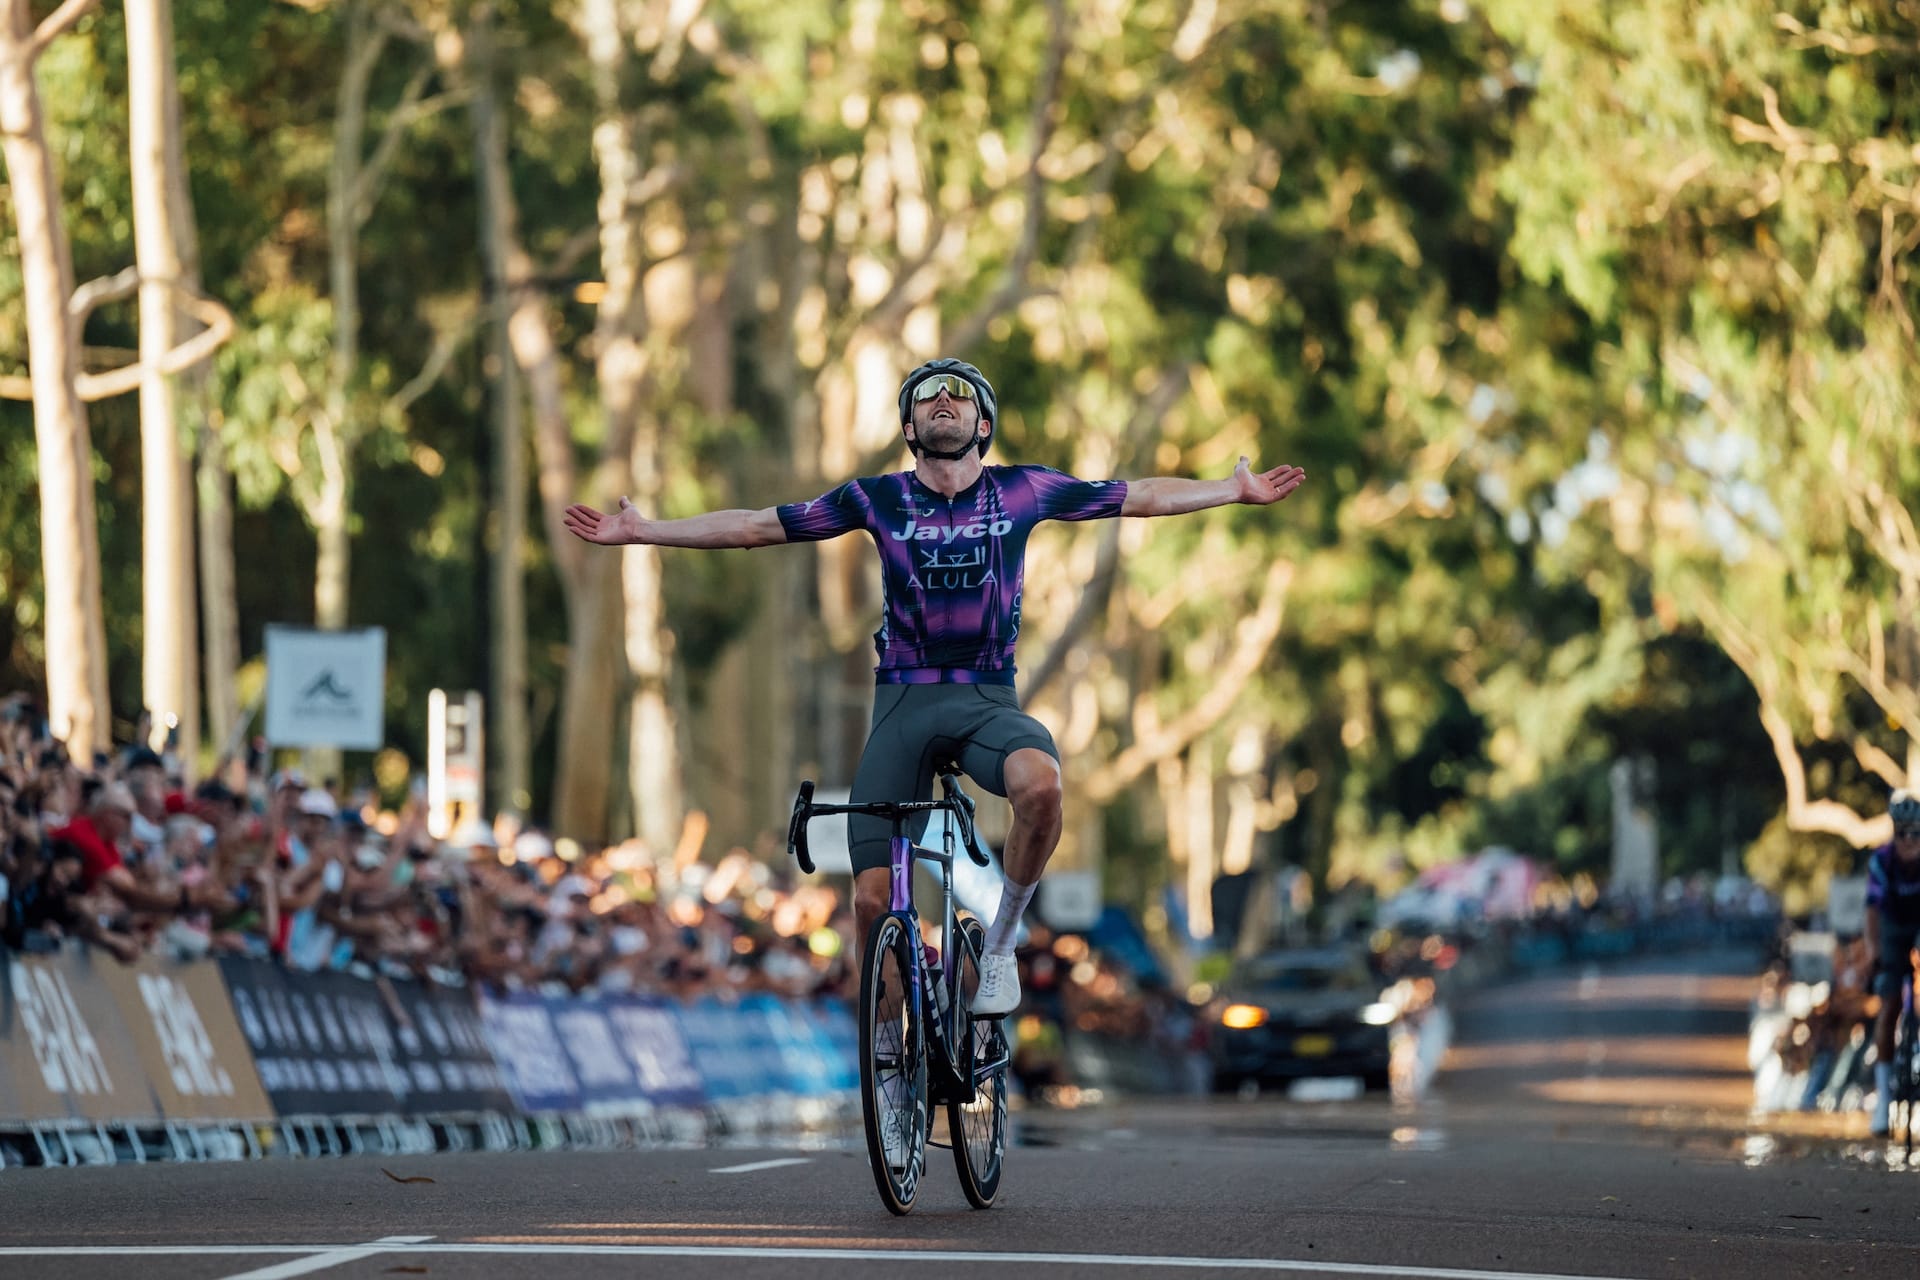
(963, 814)
(797, 827)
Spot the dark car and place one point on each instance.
(1291, 1014)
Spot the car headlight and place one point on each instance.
(1379, 1014)
(1243, 1017)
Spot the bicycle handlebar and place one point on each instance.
(797, 827)
(956, 802)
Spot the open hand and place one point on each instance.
(1263, 488)
(616, 528)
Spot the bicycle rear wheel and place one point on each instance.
(979, 1127)
(893, 1072)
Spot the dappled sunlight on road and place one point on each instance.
(1720, 1094)
(1713, 1054)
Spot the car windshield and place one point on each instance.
(1290, 973)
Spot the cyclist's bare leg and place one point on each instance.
(872, 897)
(1033, 785)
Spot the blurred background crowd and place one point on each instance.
(119, 853)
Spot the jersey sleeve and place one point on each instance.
(828, 516)
(1059, 496)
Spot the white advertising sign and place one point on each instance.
(326, 688)
(1071, 899)
(1847, 904)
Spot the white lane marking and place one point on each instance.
(1589, 982)
(331, 1258)
(758, 1165)
(315, 1262)
(327, 1255)
(1297, 1266)
(154, 1250)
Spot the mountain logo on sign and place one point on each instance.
(326, 687)
(326, 698)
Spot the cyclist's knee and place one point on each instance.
(1033, 782)
(871, 896)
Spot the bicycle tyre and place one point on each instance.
(893, 1070)
(979, 1128)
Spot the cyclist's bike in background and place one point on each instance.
(1906, 1063)
(919, 1047)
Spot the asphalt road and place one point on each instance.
(1589, 1125)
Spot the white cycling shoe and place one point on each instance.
(896, 1136)
(999, 990)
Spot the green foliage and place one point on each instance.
(1588, 366)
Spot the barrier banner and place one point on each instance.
(650, 1035)
(606, 1076)
(717, 1042)
(191, 1049)
(443, 1047)
(839, 1033)
(538, 1072)
(336, 1044)
(63, 1045)
(796, 1063)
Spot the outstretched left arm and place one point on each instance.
(1172, 496)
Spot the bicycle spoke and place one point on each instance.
(892, 1071)
(979, 1125)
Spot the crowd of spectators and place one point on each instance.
(122, 855)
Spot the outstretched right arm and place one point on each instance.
(625, 526)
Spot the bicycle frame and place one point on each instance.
(949, 1039)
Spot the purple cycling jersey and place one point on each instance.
(1893, 886)
(952, 567)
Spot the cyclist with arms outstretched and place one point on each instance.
(952, 536)
(1893, 923)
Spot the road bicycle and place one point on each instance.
(919, 1046)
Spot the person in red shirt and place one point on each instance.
(97, 833)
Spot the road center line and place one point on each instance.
(758, 1165)
(319, 1257)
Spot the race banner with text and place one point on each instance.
(195, 1059)
(64, 1047)
(612, 1054)
(336, 1044)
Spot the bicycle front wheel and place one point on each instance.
(893, 1072)
(979, 1126)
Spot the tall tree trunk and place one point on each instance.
(163, 248)
(508, 731)
(69, 536)
(625, 359)
(219, 597)
(583, 778)
(337, 431)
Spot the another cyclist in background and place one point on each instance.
(952, 536)
(1893, 924)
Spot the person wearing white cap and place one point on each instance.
(315, 876)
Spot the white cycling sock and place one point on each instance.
(1006, 922)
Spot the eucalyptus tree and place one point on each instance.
(76, 645)
(1726, 193)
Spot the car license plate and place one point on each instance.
(1313, 1046)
